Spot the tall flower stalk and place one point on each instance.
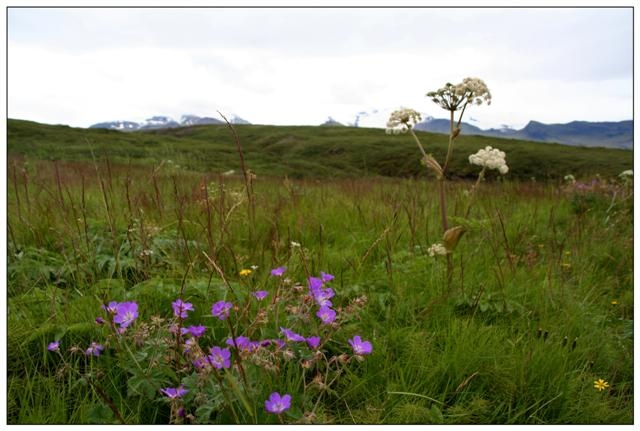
(453, 98)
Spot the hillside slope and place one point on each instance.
(303, 151)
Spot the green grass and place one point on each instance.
(305, 151)
(540, 263)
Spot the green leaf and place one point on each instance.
(100, 414)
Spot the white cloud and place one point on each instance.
(299, 66)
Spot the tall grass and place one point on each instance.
(540, 304)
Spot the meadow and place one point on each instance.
(538, 309)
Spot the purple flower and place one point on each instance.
(221, 309)
(326, 314)
(278, 271)
(174, 393)
(260, 294)
(194, 331)
(326, 277)
(290, 335)
(54, 346)
(111, 308)
(323, 297)
(180, 308)
(314, 284)
(313, 342)
(243, 343)
(95, 349)
(99, 321)
(200, 362)
(277, 404)
(360, 347)
(219, 358)
(126, 313)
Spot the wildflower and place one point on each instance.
(614, 302)
(600, 385)
(326, 314)
(323, 297)
(625, 175)
(99, 320)
(180, 308)
(95, 349)
(402, 120)
(454, 97)
(359, 346)
(111, 308)
(126, 313)
(245, 272)
(313, 342)
(277, 272)
(326, 277)
(260, 294)
(174, 393)
(570, 178)
(491, 158)
(219, 358)
(221, 309)
(243, 343)
(290, 335)
(54, 346)
(277, 404)
(295, 244)
(437, 249)
(194, 331)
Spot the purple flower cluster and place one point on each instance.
(243, 344)
(322, 296)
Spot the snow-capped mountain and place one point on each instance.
(164, 122)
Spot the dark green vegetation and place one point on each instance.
(540, 305)
(306, 152)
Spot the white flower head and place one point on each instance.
(490, 158)
(437, 249)
(402, 120)
(626, 175)
(454, 97)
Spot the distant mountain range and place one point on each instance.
(576, 133)
(163, 122)
(608, 134)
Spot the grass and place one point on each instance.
(305, 151)
(541, 303)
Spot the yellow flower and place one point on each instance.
(600, 384)
(614, 302)
(245, 272)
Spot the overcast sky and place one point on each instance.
(80, 66)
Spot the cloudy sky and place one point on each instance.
(80, 66)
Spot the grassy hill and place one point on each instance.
(303, 151)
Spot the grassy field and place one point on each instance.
(540, 305)
(306, 151)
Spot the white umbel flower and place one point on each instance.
(437, 249)
(490, 158)
(628, 174)
(402, 120)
